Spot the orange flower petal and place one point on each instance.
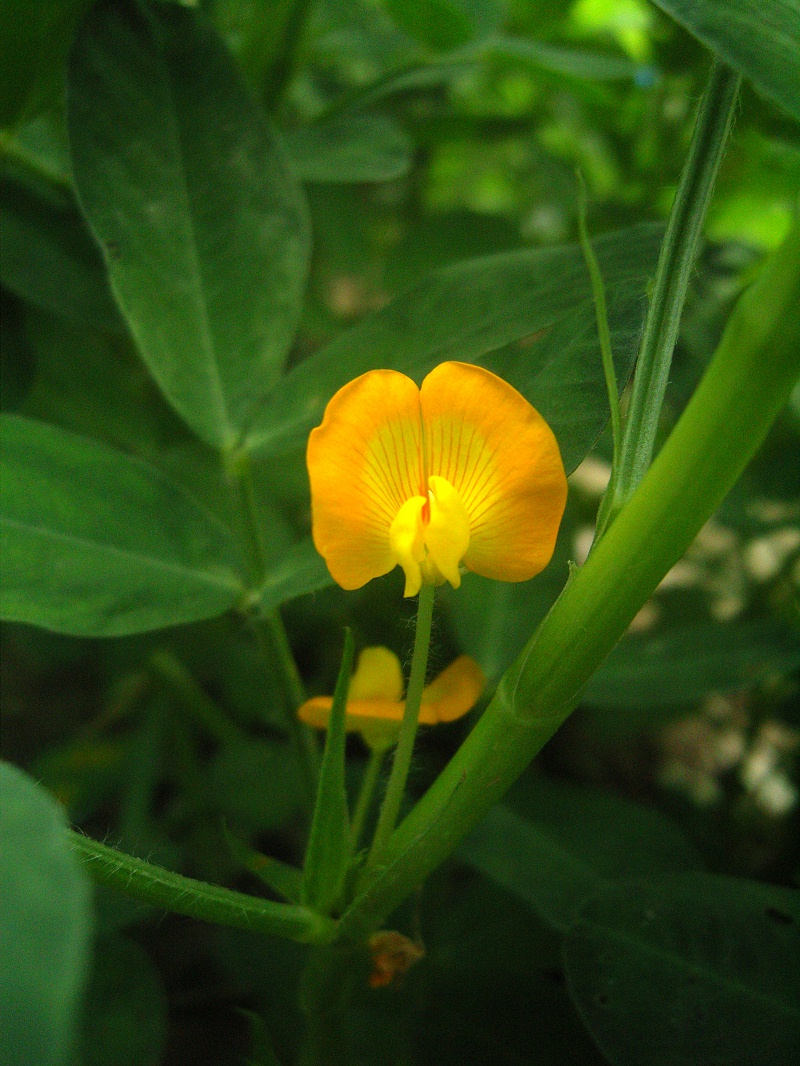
(364, 462)
(503, 460)
(454, 692)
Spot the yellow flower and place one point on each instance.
(462, 469)
(375, 700)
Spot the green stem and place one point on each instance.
(239, 468)
(408, 727)
(368, 785)
(325, 991)
(675, 264)
(749, 380)
(197, 899)
(603, 332)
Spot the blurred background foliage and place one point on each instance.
(425, 133)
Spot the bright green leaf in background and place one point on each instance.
(189, 193)
(45, 920)
(690, 969)
(538, 302)
(98, 544)
(761, 38)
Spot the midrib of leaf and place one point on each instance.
(152, 562)
(209, 347)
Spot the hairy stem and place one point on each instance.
(408, 727)
(197, 899)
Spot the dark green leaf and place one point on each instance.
(693, 969)
(439, 24)
(125, 1018)
(201, 222)
(472, 309)
(328, 851)
(685, 664)
(34, 39)
(51, 261)
(92, 383)
(45, 919)
(98, 544)
(761, 38)
(554, 845)
(299, 571)
(351, 148)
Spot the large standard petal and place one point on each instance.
(503, 460)
(364, 462)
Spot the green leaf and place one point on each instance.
(554, 845)
(573, 62)
(34, 39)
(439, 24)
(687, 970)
(761, 38)
(469, 311)
(282, 878)
(328, 851)
(350, 148)
(51, 261)
(45, 920)
(125, 1017)
(202, 224)
(299, 571)
(99, 544)
(685, 664)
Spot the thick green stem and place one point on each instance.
(676, 260)
(408, 727)
(324, 996)
(747, 383)
(197, 899)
